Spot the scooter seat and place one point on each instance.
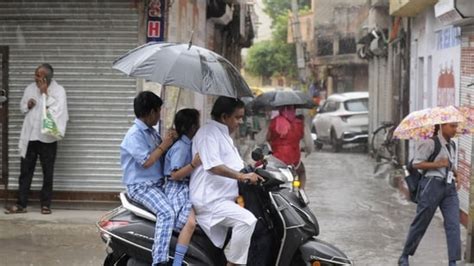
(135, 207)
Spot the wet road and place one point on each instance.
(364, 216)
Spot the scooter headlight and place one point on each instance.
(296, 184)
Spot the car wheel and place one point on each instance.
(335, 142)
(318, 144)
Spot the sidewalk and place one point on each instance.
(65, 237)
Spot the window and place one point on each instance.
(347, 45)
(357, 105)
(325, 47)
(331, 106)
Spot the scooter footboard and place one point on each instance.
(318, 250)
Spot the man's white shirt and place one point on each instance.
(215, 147)
(57, 106)
(213, 196)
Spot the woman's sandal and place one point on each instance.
(15, 209)
(45, 210)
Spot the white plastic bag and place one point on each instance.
(48, 124)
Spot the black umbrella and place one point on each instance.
(278, 98)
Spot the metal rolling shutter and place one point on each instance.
(80, 39)
(465, 158)
(465, 146)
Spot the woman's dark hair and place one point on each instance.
(436, 130)
(185, 119)
(225, 105)
(145, 102)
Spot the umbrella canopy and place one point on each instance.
(278, 98)
(420, 124)
(185, 66)
(467, 126)
(248, 101)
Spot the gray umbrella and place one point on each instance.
(277, 98)
(185, 66)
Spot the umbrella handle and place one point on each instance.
(191, 39)
(177, 102)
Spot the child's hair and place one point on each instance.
(145, 102)
(185, 119)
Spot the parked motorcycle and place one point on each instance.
(285, 233)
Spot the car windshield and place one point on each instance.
(357, 105)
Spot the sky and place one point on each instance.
(264, 22)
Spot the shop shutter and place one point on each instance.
(80, 39)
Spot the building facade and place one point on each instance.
(333, 51)
(81, 39)
(440, 67)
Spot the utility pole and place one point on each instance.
(300, 62)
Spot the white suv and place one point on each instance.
(343, 118)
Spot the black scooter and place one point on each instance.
(285, 233)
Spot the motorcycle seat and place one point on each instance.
(135, 207)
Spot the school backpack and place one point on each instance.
(413, 176)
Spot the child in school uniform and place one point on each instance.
(178, 166)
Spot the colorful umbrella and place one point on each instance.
(467, 127)
(420, 124)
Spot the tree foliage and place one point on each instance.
(276, 56)
(276, 8)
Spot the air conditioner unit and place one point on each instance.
(377, 47)
(224, 19)
(454, 12)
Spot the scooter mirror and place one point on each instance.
(257, 154)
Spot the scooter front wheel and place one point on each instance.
(297, 260)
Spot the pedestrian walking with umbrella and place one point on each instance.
(286, 130)
(436, 127)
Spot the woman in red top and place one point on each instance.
(284, 135)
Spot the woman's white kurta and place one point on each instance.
(213, 196)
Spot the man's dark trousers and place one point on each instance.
(436, 192)
(47, 156)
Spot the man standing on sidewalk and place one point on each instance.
(33, 143)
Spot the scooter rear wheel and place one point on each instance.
(114, 259)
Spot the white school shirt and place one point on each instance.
(426, 147)
(207, 190)
(57, 106)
